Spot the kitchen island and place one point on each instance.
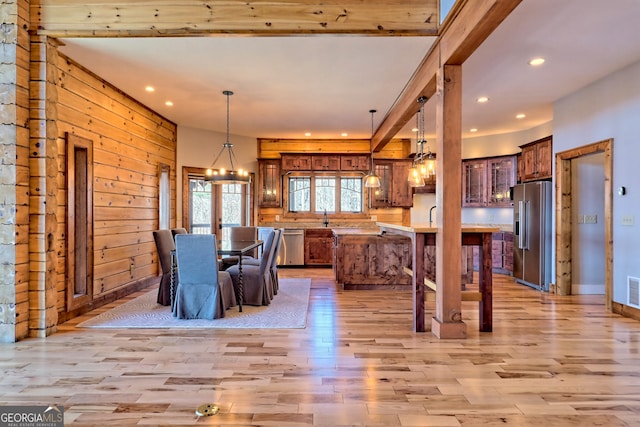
(425, 235)
(367, 259)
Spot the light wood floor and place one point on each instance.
(550, 361)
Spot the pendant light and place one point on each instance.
(415, 177)
(372, 180)
(223, 175)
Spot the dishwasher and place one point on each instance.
(293, 247)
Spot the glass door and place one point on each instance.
(213, 208)
(231, 200)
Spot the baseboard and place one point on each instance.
(64, 316)
(579, 289)
(625, 310)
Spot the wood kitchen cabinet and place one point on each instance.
(318, 246)
(394, 188)
(325, 162)
(355, 162)
(269, 183)
(295, 162)
(486, 182)
(537, 158)
(501, 253)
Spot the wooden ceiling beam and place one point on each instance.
(467, 27)
(141, 18)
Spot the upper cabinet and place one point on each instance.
(325, 162)
(537, 158)
(269, 183)
(486, 182)
(394, 188)
(294, 162)
(355, 162)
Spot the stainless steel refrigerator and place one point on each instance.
(532, 234)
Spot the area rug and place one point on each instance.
(288, 310)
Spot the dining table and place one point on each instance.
(225, 248)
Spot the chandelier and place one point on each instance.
(223, 175)
(372, 180)
(424, 163)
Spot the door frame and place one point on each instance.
(564, 216)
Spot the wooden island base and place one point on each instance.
(369, 260)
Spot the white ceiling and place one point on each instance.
(286, 86)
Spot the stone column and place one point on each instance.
(14, 170)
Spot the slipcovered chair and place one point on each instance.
(175, 231)
(240, 233)
(256, 279)
(278, 238)
(164, 246)
(203, 292)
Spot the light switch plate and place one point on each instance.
(591, 219)
(628, 220)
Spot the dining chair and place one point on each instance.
(164, 246)
(256, 279)
(273, 265)
(241, 233)
(273, 270)
(203, 291)
(175, 231)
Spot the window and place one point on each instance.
(164, 198)
(325, 193)
(299, 194)
(351, 194)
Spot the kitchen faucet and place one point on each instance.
(431, 213)
(326, 219)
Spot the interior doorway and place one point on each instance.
(565, 216)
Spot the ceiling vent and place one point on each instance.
(633, 291)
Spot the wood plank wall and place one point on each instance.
(130, 142)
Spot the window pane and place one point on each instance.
(325, 194)
(299, 194)
(351, 194)
(200, 209)
(164, 195)
(231, 207)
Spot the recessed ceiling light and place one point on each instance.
(482, 99)
(169, 104)
(536, 61)
(307, 134)
(414, 130)
(473, 130)
(520, 116)
(149, 88)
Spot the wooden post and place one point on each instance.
(448, 320)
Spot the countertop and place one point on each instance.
(345, 231)
(427, 228)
